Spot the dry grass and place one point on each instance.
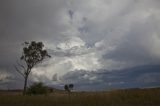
(132, 97)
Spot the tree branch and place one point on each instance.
(19, 71)
(21, 66)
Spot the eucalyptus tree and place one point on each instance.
(33, 54)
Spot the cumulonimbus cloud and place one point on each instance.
(82, 35)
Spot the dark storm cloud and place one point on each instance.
(139, 45)
(71, 13)
(137, 77)
(81, 35)
(30, 20)
(22, 20)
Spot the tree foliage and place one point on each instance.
(71, 86)
(33, 53)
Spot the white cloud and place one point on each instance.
(4, 76)
(72, 54)
(105, 34)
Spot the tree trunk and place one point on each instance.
(25, 85)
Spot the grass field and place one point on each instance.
(131, 97)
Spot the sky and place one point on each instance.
(94, 44)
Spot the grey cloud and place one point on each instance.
(138, 45)
(71, 13)
(32, 20)
(29, 20)
(89, 35)
(143, 76)
(74, 51)
(55, 77)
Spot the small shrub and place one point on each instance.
(37, 89)
(69, 87)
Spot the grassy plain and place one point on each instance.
(130, 97)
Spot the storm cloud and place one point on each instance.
(92, 35)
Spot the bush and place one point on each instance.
(37, 89)
(69, 87)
